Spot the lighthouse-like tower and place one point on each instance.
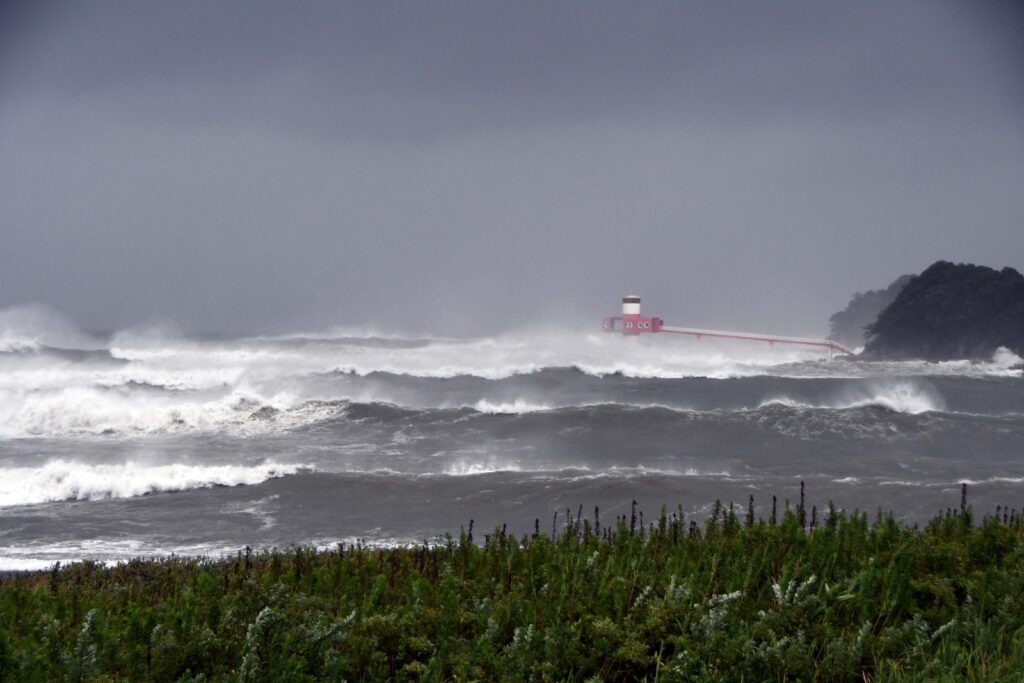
(632, 323)
(631, 320)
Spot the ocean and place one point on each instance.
(148, 444)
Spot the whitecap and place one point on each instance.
(59, 480)
(899, 396)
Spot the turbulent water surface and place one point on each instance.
(147, 445)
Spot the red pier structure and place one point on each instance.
(631, 323)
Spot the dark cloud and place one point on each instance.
(254, 166)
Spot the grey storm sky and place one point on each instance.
(476, 166)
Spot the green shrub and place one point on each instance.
(736, 600)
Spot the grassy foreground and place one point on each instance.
(732, 600)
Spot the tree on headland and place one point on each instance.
(848, 326)
(952, 311)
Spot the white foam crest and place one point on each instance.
(1004, 363)
(57, 395)
(899, 396)
(69, 480)
(688, 472)
(54, 396)
(467, 468)
(993, 480)
(903, 399)
(84, 411)
(1005, 358)
(36, 374)
(521, 406)
(597, 354)
(516, 407)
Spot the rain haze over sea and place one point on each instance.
(275, 274)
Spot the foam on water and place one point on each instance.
(993, 480)
(464, 468)
(156, 380)
(516, 407)
(137, 411)
(59, 480)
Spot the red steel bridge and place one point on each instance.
(631, 323)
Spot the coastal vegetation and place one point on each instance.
(827, 596)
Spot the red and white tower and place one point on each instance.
(632, 322)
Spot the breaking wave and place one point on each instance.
(141, 410)
(514, 407)
(57, 382)
(910, 397)
(463, 468)
(59, 480)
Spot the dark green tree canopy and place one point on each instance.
(952, 311)
(849, 326)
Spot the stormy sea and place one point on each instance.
(149, 444)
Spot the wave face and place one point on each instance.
(58, 480)
(152, 442)
(150, 383)
(901, 396)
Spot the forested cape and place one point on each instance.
(952, 311)
(948, 312)
(849, 326)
